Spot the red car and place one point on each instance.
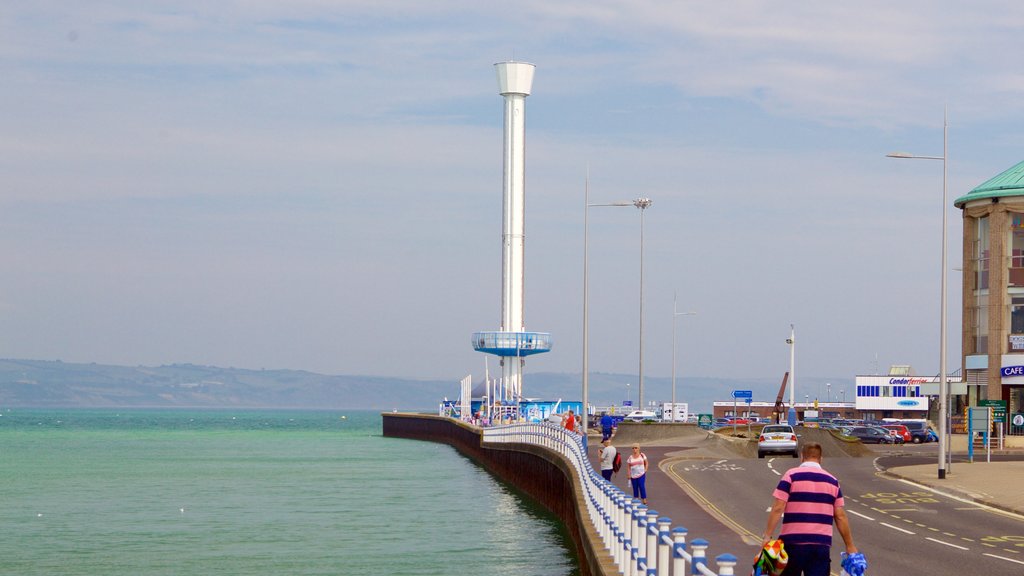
(898, 430)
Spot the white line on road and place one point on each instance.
(1002, 558)
(897, 528)
(861, 515)
(947, 544)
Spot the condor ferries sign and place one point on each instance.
(894, 392)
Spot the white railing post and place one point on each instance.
(624, 545)
(651, 550)
(678, 551)
(700, 548)
(726, 562)
(638, 537)
(664, 545)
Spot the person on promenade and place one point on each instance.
(808, 500)
(569, 421)
(607, 426)
(607, 455)
(637, 464)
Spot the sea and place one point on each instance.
(225, 492)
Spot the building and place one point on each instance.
(993, 289)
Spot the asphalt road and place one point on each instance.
(902, 528)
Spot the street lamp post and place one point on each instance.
(828, 392)
(791, 416)
(642, 204)
(586, 301)
(943, 375)
(675, 313)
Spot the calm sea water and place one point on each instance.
(145, 492)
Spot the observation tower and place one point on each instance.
(512, 343)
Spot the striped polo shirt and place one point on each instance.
(811, 495)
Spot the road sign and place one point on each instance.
(998, 409)
(627, 402)
(738, 394)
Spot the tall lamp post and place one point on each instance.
(791, 416)
(642, 204)
(943, 375)
(675, 313)
(586, 302)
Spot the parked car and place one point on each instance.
(870, 435)
(777, 438)
(894, 433)
(900, 430)
(640, 416)
(918, 431)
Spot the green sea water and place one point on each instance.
(141, 492)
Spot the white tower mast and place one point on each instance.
(512, 343)
(515, 80)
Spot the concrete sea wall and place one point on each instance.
(543, 474)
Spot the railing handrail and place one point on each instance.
(638, 541)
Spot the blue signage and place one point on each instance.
(737, 394)
(627, 402)
(907, 403)
(1009, 371)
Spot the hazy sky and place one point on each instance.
(317, 185)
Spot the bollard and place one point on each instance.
(700, 547)
(651, 550)
(726, 562)
(664, 545)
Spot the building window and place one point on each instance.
(981, 254)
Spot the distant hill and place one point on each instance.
(44, 383)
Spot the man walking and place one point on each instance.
(607, 456)
(607, 426)
(808, 499)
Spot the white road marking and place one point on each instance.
(898, 528)
(1002, 558)
(947, 544)
(861, 515)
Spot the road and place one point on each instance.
(901, 527)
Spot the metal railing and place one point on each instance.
(638, 541)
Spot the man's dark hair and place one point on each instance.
(811, 451)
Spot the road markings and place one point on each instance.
(947, 544)
(976, 505)
(851, 512)
(1002, 558)
(897, 528)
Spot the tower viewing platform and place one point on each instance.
(512, 343)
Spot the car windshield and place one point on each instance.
(770, 429)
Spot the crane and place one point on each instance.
(779, 412)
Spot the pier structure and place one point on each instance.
(512, 343)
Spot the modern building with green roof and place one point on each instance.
(993, 289)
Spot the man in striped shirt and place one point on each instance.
(808, 499)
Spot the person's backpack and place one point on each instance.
(617, 462)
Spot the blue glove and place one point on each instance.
(854, 564)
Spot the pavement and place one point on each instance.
(996, 484)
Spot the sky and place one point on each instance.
(316, 184)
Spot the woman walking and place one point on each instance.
(637, 463)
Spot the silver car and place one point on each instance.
(777, 439)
